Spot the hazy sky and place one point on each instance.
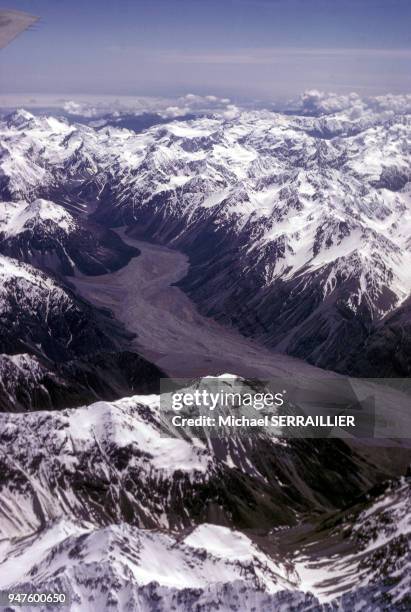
(268, 49)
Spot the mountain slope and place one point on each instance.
(56, 349)
(129, 568)
(86, 494)
(47, 236)
(361, 554)
(122, 461)
(40, 315)
(386, 351)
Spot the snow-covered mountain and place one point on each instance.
(122, 461)
(297, 226)
(126, 568)
(88, 497)
(56, 349)
(46, 235)
(39, 314)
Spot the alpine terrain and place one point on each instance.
(138, 247)
(297, 225)
(108, 505)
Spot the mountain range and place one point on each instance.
(294, 235)
(297, 227)
(110, 506)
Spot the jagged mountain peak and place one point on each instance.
(19, 118)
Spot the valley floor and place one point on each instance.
(170, 330)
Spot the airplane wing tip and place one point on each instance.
(13, 23)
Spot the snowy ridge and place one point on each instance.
(88, 493)
(119, 561)
(46, 235)
(155, 556)
(44, 318)
(123, 461)
(19, 375)
(99, 438)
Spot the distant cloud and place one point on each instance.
(320, 101)
(399, 104)
(96, 106)
(72, 107)
(312, 100)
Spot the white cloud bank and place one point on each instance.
(311, 101)
(96, 106)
